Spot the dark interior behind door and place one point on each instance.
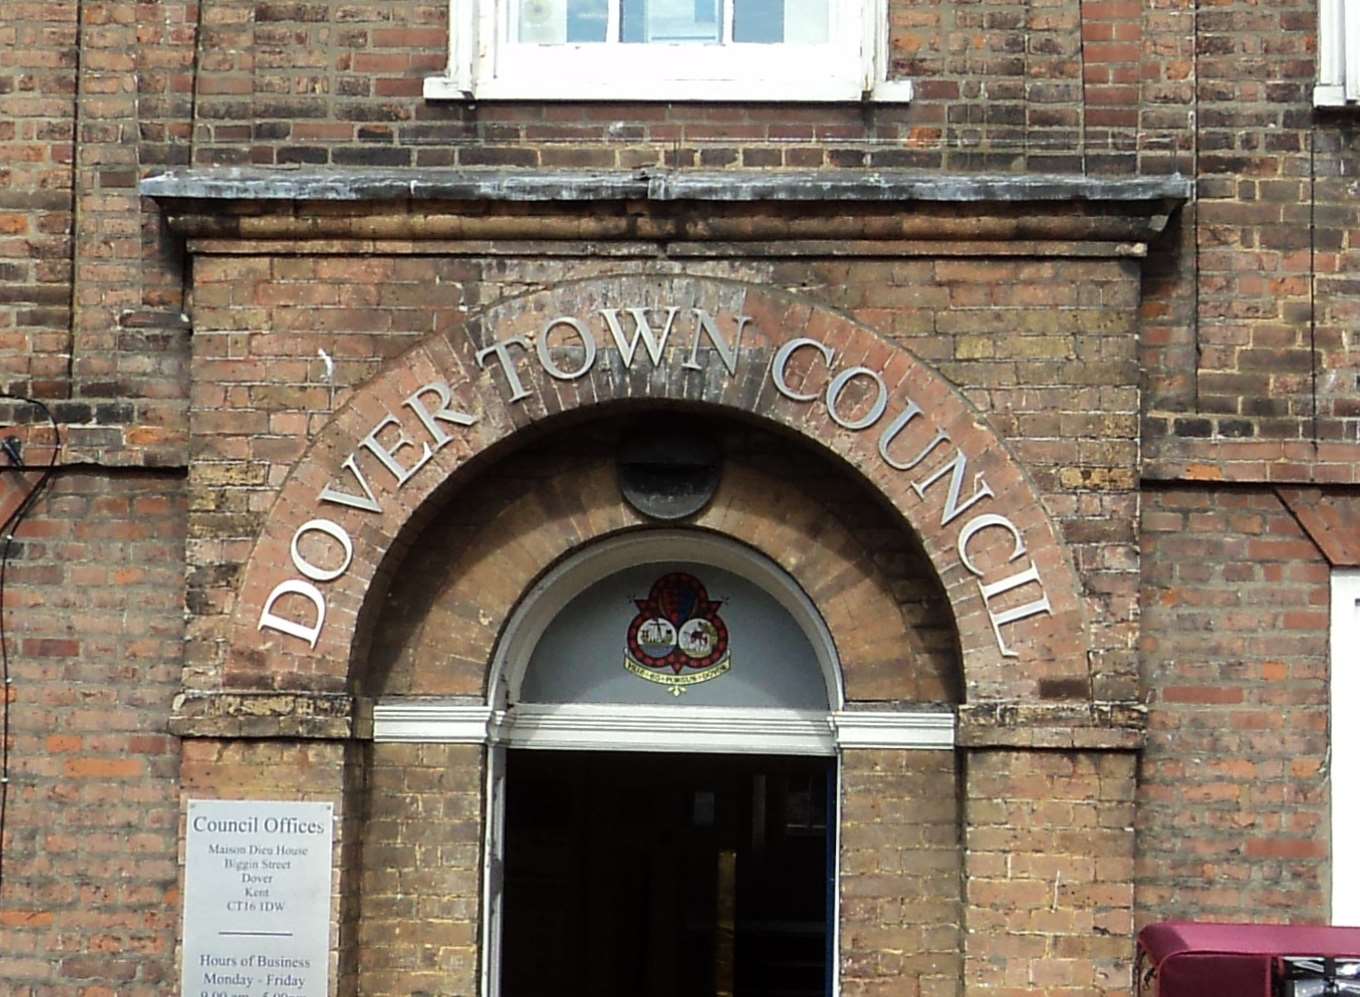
(613, 875)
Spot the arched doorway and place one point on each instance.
(380, 581)
(663, 790)
(457, 704)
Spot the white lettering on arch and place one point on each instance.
(387, 455)
(642, 332)
(979, 523)
(272, 621)
(336, 533)
(431, 420)
(367, 503)
(779, 367)
(839, 384)
(705, 325)
(403, 453)
(545, 352)
(952, 507)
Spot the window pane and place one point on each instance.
(552, 22)
(671, 21)
(798, 21)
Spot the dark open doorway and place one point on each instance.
(667, 875)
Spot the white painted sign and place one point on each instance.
(257, 891)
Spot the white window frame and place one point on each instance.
(484, 64)
(610, 727)
(1345, 745)
(1338, 47)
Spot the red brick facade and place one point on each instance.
(1149, 395)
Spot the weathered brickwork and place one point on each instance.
(333, 83)
(901, 909)
(1177, 414)
(89, 290)
(1095, 88)
(1048, 876)
(94, 630)
(1233, 803)
(1089, 491)
(37, 87)
(420, 878)
(1258, 298)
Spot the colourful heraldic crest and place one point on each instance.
(677, 638)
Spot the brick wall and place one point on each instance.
(37, 88)
(1233, 802)
(421, 860)
(1048, 863)
(901, 868)
(94, 628)
(1248, 319)
(288, 769)
(339, 83)
(455, 574)
(1243, 338)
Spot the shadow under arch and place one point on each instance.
(462, 581)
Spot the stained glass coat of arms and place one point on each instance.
(677, 639)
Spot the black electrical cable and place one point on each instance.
(11, 526)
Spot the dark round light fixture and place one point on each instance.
(667, 474)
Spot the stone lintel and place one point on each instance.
(321, 715)
(1101, 726)
(660, 205)
(260, 183)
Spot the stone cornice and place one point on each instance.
(663, 205)
(259, 183)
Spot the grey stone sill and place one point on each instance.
(1079, 726)
(527, 185)
(329, 716)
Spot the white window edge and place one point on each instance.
(1328, 95)
(695, 729)
(883, 92)
(707, 730)
(1344, 735)
(433, 721)
(472, 51)
(1338, 48)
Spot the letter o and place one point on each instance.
(336, 533)
(838, 384)
(545, 356)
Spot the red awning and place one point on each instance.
(1198, 960)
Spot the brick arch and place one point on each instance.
(881, 657)
(1012, 537)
